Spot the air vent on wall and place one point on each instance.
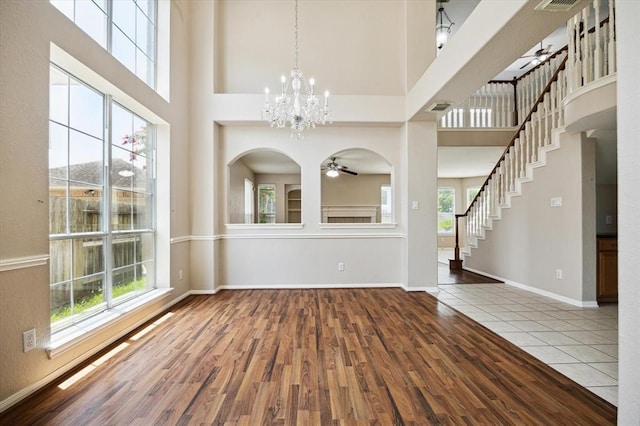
(556, 5)
(439, 106)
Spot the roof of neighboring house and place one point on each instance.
(92, 174)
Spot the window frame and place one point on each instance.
(108, 35)
(106, 234)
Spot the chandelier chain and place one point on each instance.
(300, 108)
(296, 31)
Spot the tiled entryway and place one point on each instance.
(581, 343)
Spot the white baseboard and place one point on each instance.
(541, 292)
(304, 286)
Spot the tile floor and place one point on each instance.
(581, 343)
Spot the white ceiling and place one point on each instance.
(265, 161)
(467, 161)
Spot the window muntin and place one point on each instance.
(97, 259)
(446, 210)
(126, 28)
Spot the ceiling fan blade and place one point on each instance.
(348, 171)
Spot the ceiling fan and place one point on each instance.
(539, 56)
(333, 169)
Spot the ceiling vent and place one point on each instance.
(439, 106)
(556, 5)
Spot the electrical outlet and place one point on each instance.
(556, 202)
(340, 266)
(29, 340)
(559, 274)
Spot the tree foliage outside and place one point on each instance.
(446, 205)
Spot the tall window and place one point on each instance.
(101, 201)
(266, 203)
(446, 209)
(126, 28)
(472, 191)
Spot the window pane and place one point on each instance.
(148, 7)
(445, 200)
(58, 96)
(144, 68)
(88, 295)
(58, 150)
(122, 126)
(86, 111)
(121, 210)
(88, 257)
(132, 273)
(124, 16)
(122, 169)
(266, 203)
(445, 223)
(123, 49)
(85, 208)
(59, 261)
(142, 210)
(85, 158)
(92, 20)
(145, 32)
(60, 304)
(57, 206)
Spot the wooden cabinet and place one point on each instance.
(607, 269)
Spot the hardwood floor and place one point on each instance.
(315, 357)
(448, 276)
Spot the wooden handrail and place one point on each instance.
(534, 108)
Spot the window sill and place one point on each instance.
(64, 340)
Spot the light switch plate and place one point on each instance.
(556, 202)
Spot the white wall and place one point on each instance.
(533, 239)
(627, 13)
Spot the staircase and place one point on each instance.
(588, 57)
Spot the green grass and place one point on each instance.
(96, 299)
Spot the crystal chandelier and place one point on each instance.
(302, 108)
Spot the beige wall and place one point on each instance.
(606, 205)
(533, 239)
(281, 181)
(256, 45)
(349, 190)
